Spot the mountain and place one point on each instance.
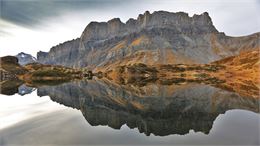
(65, 54)
(24, 58)
(158, 38)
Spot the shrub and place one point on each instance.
(49, 73)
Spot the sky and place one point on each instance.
(33, 25)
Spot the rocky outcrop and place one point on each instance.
(157, 38)
(9, 60)
(161, 19)
(24, 58)
(9, 66)
(41, 56)
(65, 54)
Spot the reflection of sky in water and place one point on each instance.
(32, 120)
(14, 109)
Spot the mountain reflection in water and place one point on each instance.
(153, 109)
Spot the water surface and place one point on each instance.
(100, 112)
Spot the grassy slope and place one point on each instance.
(49, 74)
(238, 73)
(242, 73)
(36, 73)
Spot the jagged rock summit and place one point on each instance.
(161, 19)
(153, 38)
(24, 58)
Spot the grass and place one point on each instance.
(172, 81)
(13, 68)
(201, 75)
(44, 82)
(49, 73)
(141, 68)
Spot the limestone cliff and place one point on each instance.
(158, 38)
(65, 54)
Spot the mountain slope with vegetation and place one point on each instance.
(242, 73)
(237, 73)
(34, 73)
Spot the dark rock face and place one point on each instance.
(24, 58)
(41, 55)
(10, 67)
(158, 110)
(9, 60)
(65, 54)
(160, 37)
(161, 19)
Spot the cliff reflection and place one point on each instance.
(153, 109)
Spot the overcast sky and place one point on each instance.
(33, 25)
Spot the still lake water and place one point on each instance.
(99, 112)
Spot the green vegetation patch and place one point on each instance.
(43, 82)
(50, 73)
(141, 68)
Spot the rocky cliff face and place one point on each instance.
(115, 28)
(65, 54)
(157, 38)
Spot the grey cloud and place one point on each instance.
(30, 13)
(234, 17)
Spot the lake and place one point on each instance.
(101, 112)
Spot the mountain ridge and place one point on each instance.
(104, 30)
(157, 38)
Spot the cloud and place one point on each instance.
(34, 13)
(31, 13)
